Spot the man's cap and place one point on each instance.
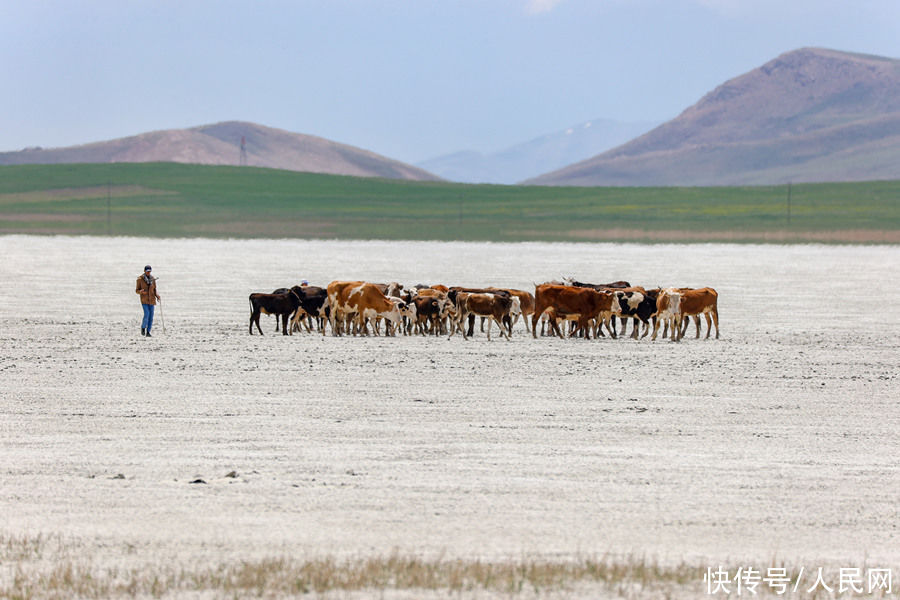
(147, 268)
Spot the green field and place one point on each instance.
(173, 200)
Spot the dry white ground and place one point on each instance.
(777, 441)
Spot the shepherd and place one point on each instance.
(146, 287)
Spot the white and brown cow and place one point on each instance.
(369, 303)
(339, 313)
(668, 312)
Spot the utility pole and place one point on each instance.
(789, 205)
(108, 209)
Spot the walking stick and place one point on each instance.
(162, 321)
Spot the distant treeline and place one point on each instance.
(176, 200)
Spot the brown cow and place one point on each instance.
(437, 322)
(526, 304)
(495, 306)
(565, 301)
(696, 302)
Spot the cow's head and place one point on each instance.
(515, 308)
(407, 309)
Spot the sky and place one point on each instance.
(408, 79)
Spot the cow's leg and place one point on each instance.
(254, 317)
(471, 325)
(611, 330)
(455, 324)
(584, 327)
(534, 319)
(714, 316)
(554, 326)
(647, 327)
(697, 323)
(502, 326)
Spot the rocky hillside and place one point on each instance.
(220, 144)
(809, 115)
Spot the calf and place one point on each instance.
(280, 305)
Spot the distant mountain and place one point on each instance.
(536, 156)
(220, 144)
(809, 115)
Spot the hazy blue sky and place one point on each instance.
(410, 79)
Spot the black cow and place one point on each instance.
(312, 304)
(639, 304)
(600, 287)
(282, 305)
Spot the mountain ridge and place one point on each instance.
(220, 144)
(808, 115)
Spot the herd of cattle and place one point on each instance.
(585, 309)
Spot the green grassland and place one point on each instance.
(174, 200)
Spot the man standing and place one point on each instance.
(146, 287)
